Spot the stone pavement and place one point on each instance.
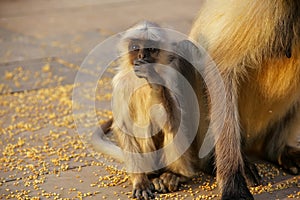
(43, 43)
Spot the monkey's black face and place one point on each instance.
(143, 51)
(143, 54)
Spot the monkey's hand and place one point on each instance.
(143, 69)
(147, 71)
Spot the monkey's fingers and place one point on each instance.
(148, 72)
(139, 62)
(171, 181)
(159, 185)
(136, 194)
(143, 192)
(141, 71)
(167, 182)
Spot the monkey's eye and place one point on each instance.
(134, 47)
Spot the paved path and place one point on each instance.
(43, 43)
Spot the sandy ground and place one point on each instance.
(42, 153)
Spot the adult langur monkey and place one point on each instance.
(256, 47)
(151, 108)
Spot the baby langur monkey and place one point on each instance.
(150, 119)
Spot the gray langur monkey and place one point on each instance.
(147, 114)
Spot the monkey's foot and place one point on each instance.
(251, 173)
(290, 160)
(143, 189)
(167, 182)
(236, 189)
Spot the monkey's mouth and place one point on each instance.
(140, 62)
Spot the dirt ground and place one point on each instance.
(42, 153)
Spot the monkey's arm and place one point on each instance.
(160, 89)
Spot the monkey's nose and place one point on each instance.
(141, 56)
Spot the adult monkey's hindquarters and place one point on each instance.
(255, 45)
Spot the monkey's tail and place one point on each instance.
(102, 144)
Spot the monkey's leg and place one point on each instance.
(142, 187)
(229, 158)
(176, 172)
(179, 164)
(228, 153)
(283, 142)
